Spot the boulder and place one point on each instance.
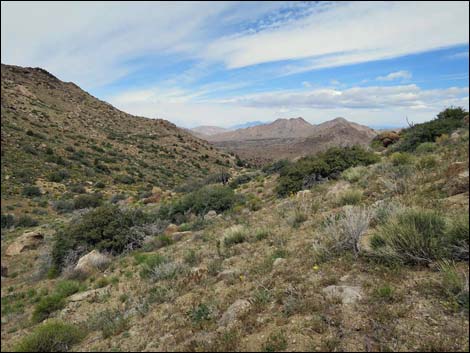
(27, 241)
(90, 294)
(92, 261)
(210, 215)
(279, 262)
(455, 169)
(234, 312)
(154, 198)
(172, 228)
(347, 294)
(177, 236)
(458, 184)
(230, 274)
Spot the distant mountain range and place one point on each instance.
(287, 138)
(204, 131)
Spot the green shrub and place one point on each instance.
(87, 201)
(58, 176)
(149, 262)
(200, 313)
(242, 179)
(427, 162)
(106, 228)
(63, 206)
(354, 174)
(276, 167)
(109, 322)
(78, 189)
(458, 240)
(413, 236)
(66, 288)
(454, 284)
(426, 147)
(100, 185)
(261, 234)
(31, 191)
(447, 121)
(53, 336)
(401, 158)
(46, 306)
(276, 342)
(211, 197)
(124, 179)
(7, 220)
(235, 235)
(310, 170)
(350, 197)
(26, 221)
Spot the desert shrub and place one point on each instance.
(446, 121)
(78, 189)
(63, 206)
(254, 203)
(342, 232)
(457, 235)
(401, 158)
(235, 235)
(7, 220)
(221, 177)
(329, 164)
(413, 236)
(106, 228)
(426, 147)
(427, 162)
(110, 322)
(454, 284)
(354, 174)
(261, 234)
(276, 167)
(46, 306)
(118, 197)
(276, 342)
(242, 179)
(87, 201)
(31, 190)
(296, 217)
(166, 271)
(100, 185)
(211, 197)
(200, 313)
(148, 262)
(124, 179)
(191, 258)
(53, 336)
(58, 176)
(66, 288)
(26, 221)
(350, 197)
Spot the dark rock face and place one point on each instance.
(313, 179)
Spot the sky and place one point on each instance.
(226, 63)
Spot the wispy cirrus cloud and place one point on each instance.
(397, 75)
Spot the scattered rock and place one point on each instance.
(279, 262)
(210, 215)
(94, 260)
(91, 294)
(455, 169)
(177, 236)
(172, 228)
(234, 312)
(226, 275)
(154, 198)
(27, 241)
(458, 184)
(455, 136)
(347, 294)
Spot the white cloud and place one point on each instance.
(459, 55)
(397, 75)
(349, 33)
(367, 105)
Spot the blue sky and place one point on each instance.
(223, 63)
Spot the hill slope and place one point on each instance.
(49, 126)
(292, 138)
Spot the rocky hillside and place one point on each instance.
(278, 129)
(205, 131)
(347, 250)
(56, 134)
(292, 138)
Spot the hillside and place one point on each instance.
(347, 250)
(207, 130)
(53, 132)
(291, 138)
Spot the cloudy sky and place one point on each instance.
(223, 63)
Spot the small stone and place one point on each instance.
(177, 236)
(347, 294)
(234, 312)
